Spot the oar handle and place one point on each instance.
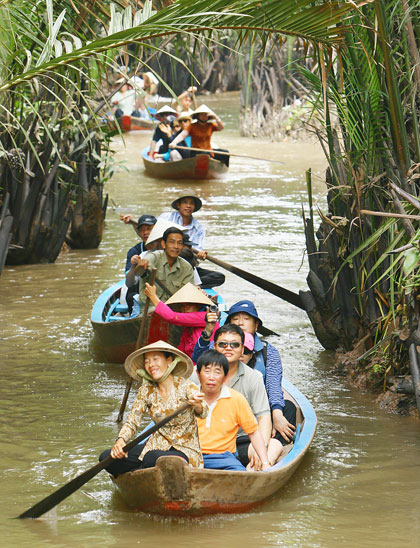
(224, 153)
(55, 498)
(139, 343)
(285, 294)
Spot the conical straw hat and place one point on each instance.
(159, 229)
(135, 360)
(189, 294)
(205, 109)
(167, 110)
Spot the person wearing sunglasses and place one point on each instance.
(229, 341)
(265, 359)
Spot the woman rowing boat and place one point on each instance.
(163, 370)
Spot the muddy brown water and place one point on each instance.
(358, 485)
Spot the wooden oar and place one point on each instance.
(140, 342)
(285, 294)
(204, 151)
(55, 498)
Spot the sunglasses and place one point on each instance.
(224, 344)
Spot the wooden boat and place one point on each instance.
(116, 333)
(201, 166)
(131, 123)
(174, 488)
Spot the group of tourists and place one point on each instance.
(238, 418)
(185, 134)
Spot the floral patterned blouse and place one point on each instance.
(181, 433)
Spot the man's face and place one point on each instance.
(245, 321)
(211, 378)
(186, 207)
(144, 231)
(173, 245)
(231, 346)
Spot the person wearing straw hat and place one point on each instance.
(163, 132)
(205, 123)
(163, 371)
(187, 308)
(143, 228)
(185, 204)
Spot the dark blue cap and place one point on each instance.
(247, 307)
(146, 220)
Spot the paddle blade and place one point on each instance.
(55, 498)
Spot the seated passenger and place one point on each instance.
(265, 359)
(173, 272)
(229, 411)
(187, 308)
(184, 121)
(123, 100)
(185, 205)
(163, 132)
(163, 370)
(229, 340)
(153, 243)
(205, 123)
(143, 228)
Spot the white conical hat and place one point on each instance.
(201, 109)
(135, 360)
(167, 110)
(159, 229)
(189, 294)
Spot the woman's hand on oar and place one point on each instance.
(55, 498)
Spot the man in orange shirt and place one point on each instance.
(228, 411)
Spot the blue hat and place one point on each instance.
(247, 307)
(146, 220)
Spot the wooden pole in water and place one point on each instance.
(139, 343)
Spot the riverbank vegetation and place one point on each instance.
(364, 256)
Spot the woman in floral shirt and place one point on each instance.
(163, 370)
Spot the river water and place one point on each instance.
(358, 485)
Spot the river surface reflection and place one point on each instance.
(358, 485)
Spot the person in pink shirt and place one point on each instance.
(189, 302)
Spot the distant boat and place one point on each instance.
(173, 488)
(201, 166)
(116, 333)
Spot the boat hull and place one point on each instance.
(201, 166)
(173, 488)
(117, 339)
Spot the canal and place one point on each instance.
(359, 483)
